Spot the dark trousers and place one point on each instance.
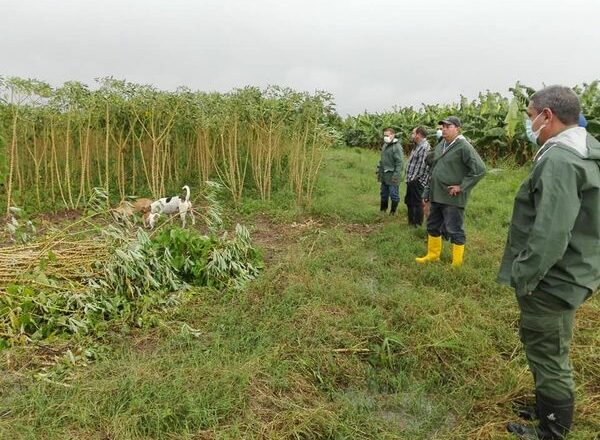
(414, 202)
(546, 330)
(447, 220)
(389, 191)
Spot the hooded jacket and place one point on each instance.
(389, 168)
(457, 163)
(553, 240)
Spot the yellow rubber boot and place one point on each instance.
(458, 252)
(434, 250)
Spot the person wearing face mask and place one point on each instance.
(552, 254)
(389, 170)
(456, 169)
(417, 175)
(438, 133)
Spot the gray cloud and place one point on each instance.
(371, 55)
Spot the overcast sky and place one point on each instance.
(371, 55)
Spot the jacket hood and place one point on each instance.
(577, 139)
(593, 147)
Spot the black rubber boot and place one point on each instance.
(525, 410)
(393, 208)
(383, 206)
(556, 418)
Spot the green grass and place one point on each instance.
(342, 337)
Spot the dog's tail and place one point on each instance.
(187, 192)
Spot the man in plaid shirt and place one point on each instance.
(417, 174)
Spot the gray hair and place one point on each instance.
(563, 102)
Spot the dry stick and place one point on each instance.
(173, 165)
(13, 153)
(55, 157)
(120, 144)
(49, 168)
(163, 139)
(198, 157)
(19, 174)
(222, 174)
(241, 176)
(256, 162)
(350, 350)
(121, 168)
(85, 148)
(153, 158)
(296, 172)
(270, 159)
(145, 167)
(233, 165)
(36, 167)
(150, 175)
(256, 157)
(164, 167)
(303, 161)
(254, 152)
(208, 148)
(133, 162)
(67, 162)
(88, 163)
(203, 154)
(106, 176)
(259, 165)
(98, 157)
(191, 169)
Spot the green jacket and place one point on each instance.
(460, 165)
(390, 165)
(554, 237)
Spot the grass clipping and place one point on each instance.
(61, 285)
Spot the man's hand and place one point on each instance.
(426, 205)
(394, 181)
(454, 190)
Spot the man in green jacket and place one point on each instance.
(552, 255)
(389, 170)
(456, 170)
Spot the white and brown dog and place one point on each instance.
(171, 205)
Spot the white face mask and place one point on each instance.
(387, 139)
(438, 134)
(533, 135)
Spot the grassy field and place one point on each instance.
(342, 337)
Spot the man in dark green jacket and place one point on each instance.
(389, 170)
(552, 255)
(456, 170)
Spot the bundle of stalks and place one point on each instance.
(64, 259)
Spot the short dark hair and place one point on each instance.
(391, 130)
(421, 130)
(561, 100)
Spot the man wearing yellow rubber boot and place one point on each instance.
(457, 168)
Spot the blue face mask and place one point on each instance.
(533, 135)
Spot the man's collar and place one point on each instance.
(572, 136)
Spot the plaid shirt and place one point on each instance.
(416, 167)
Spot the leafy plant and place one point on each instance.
(19, 227)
